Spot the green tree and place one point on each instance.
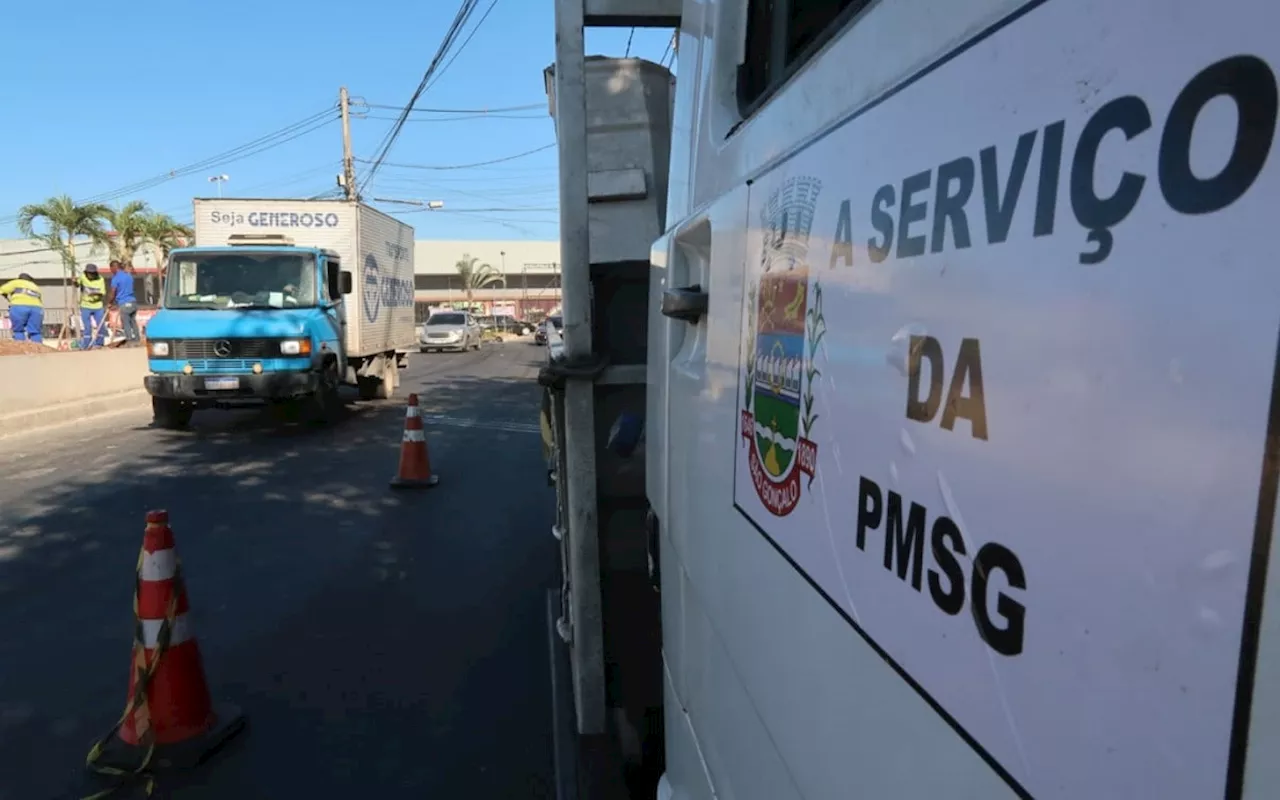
(63, 222)
(129, 224)
(164, 233)
(475, 275)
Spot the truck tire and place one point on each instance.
(326, 404)
(170, 414)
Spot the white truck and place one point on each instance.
(282, 300)
(962, 431)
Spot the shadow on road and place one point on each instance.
(382, 644)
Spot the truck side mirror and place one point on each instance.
(344, 282)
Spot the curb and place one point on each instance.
(56, 414)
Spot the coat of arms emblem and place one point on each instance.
(784, 326)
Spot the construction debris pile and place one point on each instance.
(9, 347)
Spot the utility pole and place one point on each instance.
(348, 161)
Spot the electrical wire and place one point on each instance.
(464, 44)
(630, 36)
(527, 107)
(254, 147)
(670, 45)
(470, 166)
(464, 13)
(520, 210)
(462, 118)
(294, 178)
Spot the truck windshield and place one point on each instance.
(241, 280)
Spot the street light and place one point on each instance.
(219, 179)
(429, 205)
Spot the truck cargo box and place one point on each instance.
(376, 248)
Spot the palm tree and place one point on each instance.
(476, 276)
(164, 233)
(64, 222)
(129, 224)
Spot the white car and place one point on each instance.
(449, 330)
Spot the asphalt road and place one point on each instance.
(382, 644)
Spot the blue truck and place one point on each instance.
(280, 303)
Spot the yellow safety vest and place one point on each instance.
(93, 293)
(22, 293)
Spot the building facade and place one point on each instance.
(530, 276)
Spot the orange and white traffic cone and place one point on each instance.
(415, 463)
(170, 719)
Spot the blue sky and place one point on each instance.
(101, 96)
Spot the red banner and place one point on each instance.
(779, 496)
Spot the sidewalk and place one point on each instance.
(47, 388)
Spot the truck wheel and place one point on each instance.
(368, 387)
(326, 403)
(170, 414)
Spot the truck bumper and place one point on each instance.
(265, 387)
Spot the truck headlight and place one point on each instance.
(295, 347)
(160, 349)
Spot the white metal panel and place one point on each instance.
(383, 283)
(1155, 375)
(329, 224)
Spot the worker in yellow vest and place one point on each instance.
(26, 308)
(93, 301)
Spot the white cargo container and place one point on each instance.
(376, 248)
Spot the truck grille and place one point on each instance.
(222, 365)
(186, 349)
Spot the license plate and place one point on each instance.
(221, 384)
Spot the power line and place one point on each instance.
(254, 147)
(293, 178)
(521, 210)
(670, 44)
(499, 176)
(527, 107)
(469, 166)
(460, 19)
(630, 36)
(462, 118)
(465, 42)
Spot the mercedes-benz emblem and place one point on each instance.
(222, 349)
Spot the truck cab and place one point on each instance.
(257, 321)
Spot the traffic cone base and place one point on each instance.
(415, 461)
(116, 753)
(414, 483)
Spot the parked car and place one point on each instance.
(540, 335)
(509, 325)
(518, 326)
(450, 330)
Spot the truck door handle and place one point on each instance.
(688, 304)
